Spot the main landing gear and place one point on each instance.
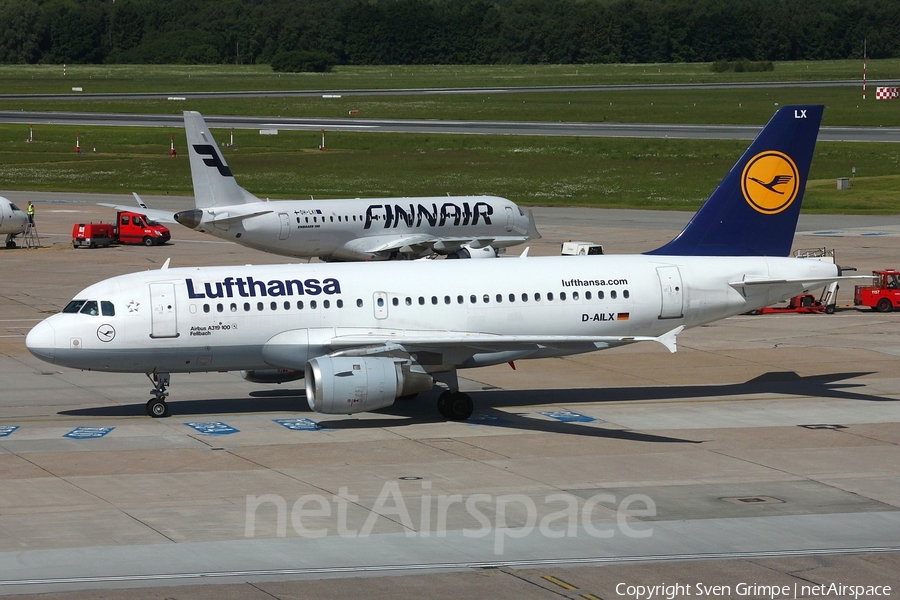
(453, 404)
(157, 406)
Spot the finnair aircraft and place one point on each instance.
(13, 221)
(363, 335)
(345, 230)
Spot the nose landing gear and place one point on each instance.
(157, 406)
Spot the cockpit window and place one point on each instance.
(107, 309)
(90, 308)
(74, 306)
(14, 207)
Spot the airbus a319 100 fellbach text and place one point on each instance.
(363, 335)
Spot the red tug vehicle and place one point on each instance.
(884, 293)
(130, 228)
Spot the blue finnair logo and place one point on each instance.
(249, 287)
(214, 159)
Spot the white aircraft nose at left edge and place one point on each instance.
(13, 221)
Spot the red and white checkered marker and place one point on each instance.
(887, 93)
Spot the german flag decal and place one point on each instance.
(622, 316)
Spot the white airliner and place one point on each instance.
(13, 221)
(353, 229)
(363, 335)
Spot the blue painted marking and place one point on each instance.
(6, 430)
(88, 433)
(826, 232)
(213, 428)
(299, 424)
(873, 233)
(568, 416)
(480, 419)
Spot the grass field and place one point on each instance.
(661, 174)
(666, 174)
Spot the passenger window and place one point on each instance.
(473, 299)
(549, 296)
(574, 295)
(259, 306)
(486, 298)
(246, 307)
(395, 301)
(287, 305)
(499, 298)
(340, 304)
(408, 301)
(206, 308)
(379, 302)
(233, 307)
(220, 308)
(600, 295)
(460, 299)
(312, 304)
(273, 305)
(107, 309)
(625, 293)
(421, 301)
(90, 308)
(446, 299)
(562, 296)
(587, 295)
(300, 304)
(512, 297)
(524, 297)
(612, 294)
(359, 302)
(537, 296)
(434, 300)
(326, 303)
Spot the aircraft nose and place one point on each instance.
(41, 341)
(189, 218)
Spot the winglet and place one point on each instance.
(668, 339)
(754, 210)
(139, 201)
(525, 252)
(533, 233)
(165, 264)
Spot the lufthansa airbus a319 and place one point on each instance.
(363, 335)
(13, 221)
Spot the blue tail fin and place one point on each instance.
(754, 210)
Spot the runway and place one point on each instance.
(765, 451)
(448, 127)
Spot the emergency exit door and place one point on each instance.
(672, 303)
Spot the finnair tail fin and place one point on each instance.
(754, 210)
(214, 185)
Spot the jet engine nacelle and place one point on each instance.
(467, 251)
(272, 375)
(351, 384)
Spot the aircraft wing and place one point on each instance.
(381, 244)
(385, 340)
(160, 216)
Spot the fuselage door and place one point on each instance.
(672, 292)
(285, 230)
(380, 302)
(164, 323)
(510, 218)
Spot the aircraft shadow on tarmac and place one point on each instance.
(487, 403)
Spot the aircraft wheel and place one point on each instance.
(10, 244)
(455, 406)
(148, 241)
(884, 305)
(829, 310)
(157, 408)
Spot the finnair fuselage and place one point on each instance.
(265, 317)
(357, 229)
